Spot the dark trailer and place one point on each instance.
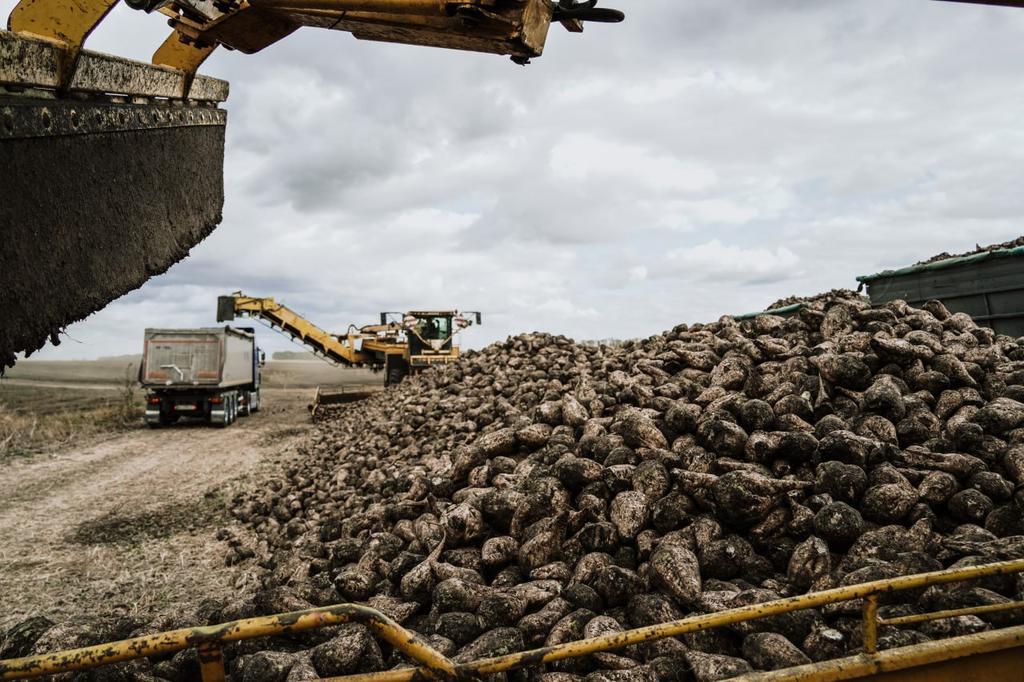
(988, 286)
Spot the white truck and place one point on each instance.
(211, 374)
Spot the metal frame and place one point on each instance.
(436, 666)
(210, 641)
(918, 660)
(21, 118)
(31, 62)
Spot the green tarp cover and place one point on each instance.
(944, 264)
(776, 311)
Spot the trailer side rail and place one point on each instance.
(434, 665)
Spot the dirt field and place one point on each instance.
(124, 522)
(100, 515)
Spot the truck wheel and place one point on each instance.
(255, 398)
(226, 418)
(247, 404)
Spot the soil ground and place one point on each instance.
(123, 523)
(101, 516)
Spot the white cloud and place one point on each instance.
(583, 158)
(560, 307)
(717, 260)
(703, 157)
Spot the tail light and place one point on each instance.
(216, 400)
(153, 400)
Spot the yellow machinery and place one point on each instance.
(402, 344)
(994, 655)
(113, 169)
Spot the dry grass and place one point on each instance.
(35, 419)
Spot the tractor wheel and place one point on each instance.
(396, 373)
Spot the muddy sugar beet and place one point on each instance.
(542, 491)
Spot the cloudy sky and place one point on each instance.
(705, 157)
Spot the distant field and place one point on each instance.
(303, 373)
(114, 371)
(105, 371)
(48, 403)
(18, 398)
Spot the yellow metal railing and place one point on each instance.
(918, 661)
(210, 640)
(951, 613)
(433, 665)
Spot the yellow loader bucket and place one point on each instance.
(110, 174)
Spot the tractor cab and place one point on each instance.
(426, 335)
(429, 331)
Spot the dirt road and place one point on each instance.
(125, 524)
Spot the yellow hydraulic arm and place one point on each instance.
(517, 28)
(353, 349)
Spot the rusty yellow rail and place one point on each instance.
(209, 641)
(618, 640)
(952, 613)
(911, 659)
(433, 665)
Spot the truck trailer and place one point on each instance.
(211, 374)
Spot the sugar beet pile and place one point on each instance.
(543, 491)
